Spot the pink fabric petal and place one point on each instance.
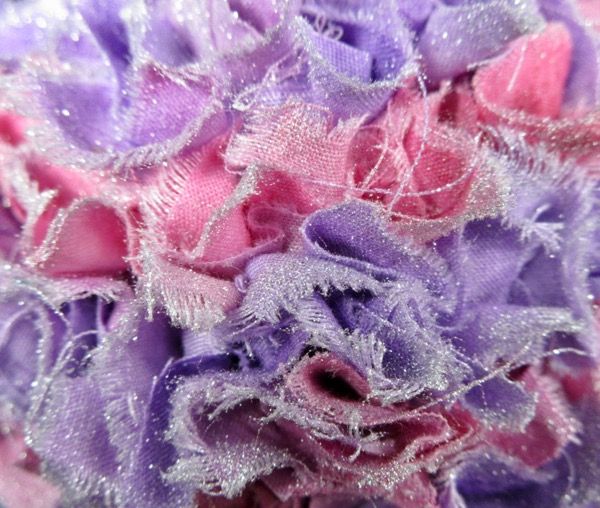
(524, 89)
(456, 107)
(205, 189)
(19, 486)
(578, 385)
(256, 496)
(12, 129)
(441, 172)
(432, 178)
(420, 162)
(68, 184)
(184, 289)
(530, 78)
(329, 386)
(183, 204)
(87, 238)
(75, 234)
(416, 492)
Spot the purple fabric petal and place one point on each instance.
(145, 485)
(486, 257)
(416, 12)
(331, 234)
(9, 234)
(364, 26)
(73, 409)
(498, 482)
(84, 112)
(21, 34)
(35, 337)
(98, 395)
(103, 18)
(351, 58)
(501, 403)
(487, 479)
(24, 328)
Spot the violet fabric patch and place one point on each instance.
(300, 253)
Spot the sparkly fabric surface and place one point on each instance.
(300, 253)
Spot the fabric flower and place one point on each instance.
(127, 108)
(329, 364)
(198, 224)
(299, 253)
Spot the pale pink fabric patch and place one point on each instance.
(300, 140)
(20, 485)
(590, 9)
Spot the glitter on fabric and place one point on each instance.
(300, 253)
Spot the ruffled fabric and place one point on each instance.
(289, 253)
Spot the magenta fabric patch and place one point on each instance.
(300, 253)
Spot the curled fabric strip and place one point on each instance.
(299, 253)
